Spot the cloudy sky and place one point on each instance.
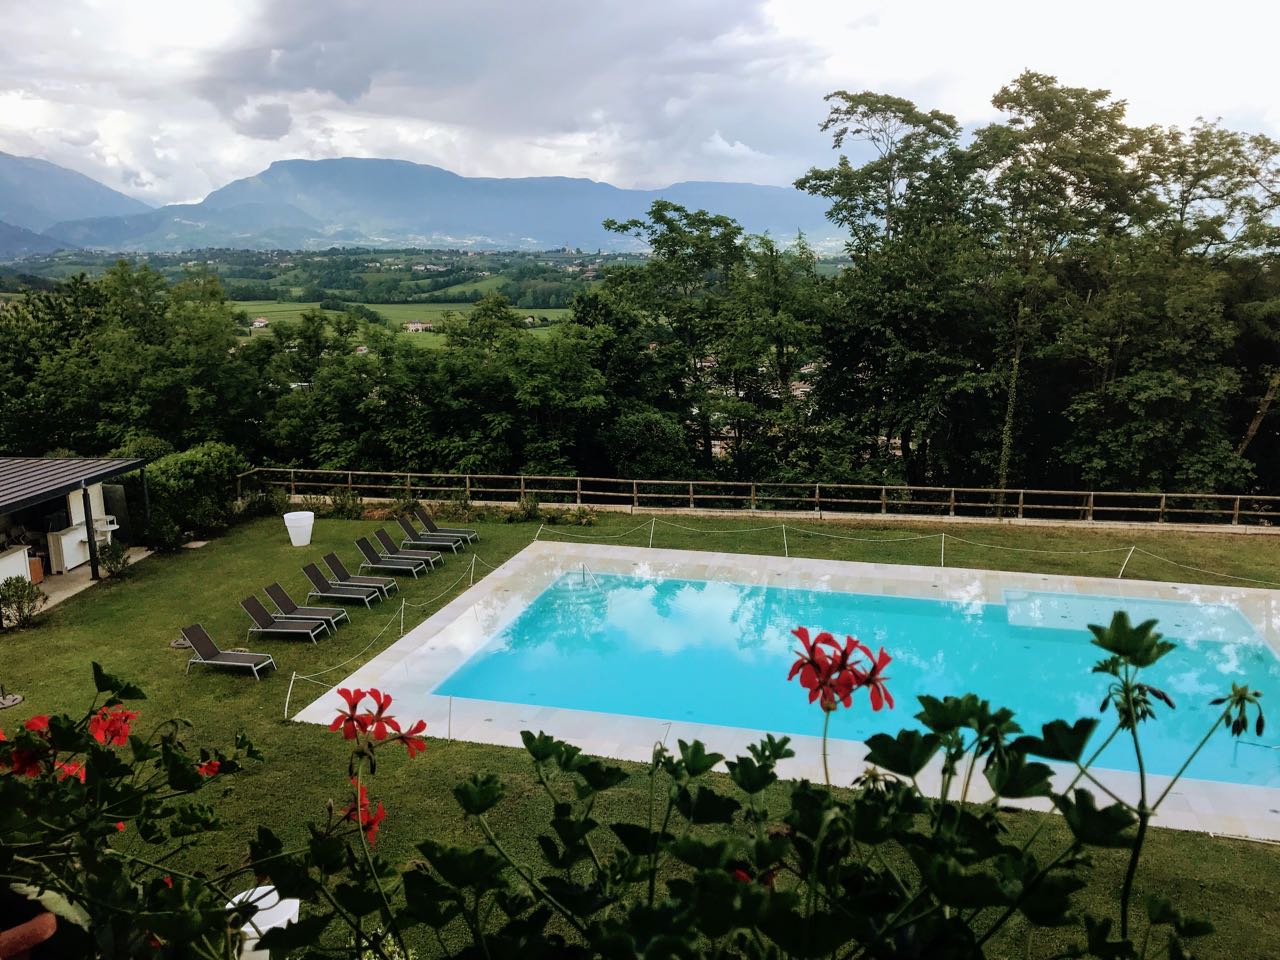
(167, 100)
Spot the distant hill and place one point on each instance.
(321, 203)
(16, 242)
(36, 194)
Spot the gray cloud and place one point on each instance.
(263, 121)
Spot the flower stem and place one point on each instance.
(826, 724)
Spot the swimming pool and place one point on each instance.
(716, 651)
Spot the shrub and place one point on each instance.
(268, 501)
(195, 490)
(114, 557)
(583, 516)
(20, 601)
(526, 510)
(345, 504)
(457, 509)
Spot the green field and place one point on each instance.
(398, 313)
(127, 626)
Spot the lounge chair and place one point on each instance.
(266, 625)
(383, 585)
(389, 549)
(415, 538)
(207, 653)
(465, 532)
(323, 588)
(291, 611)
(375, 561)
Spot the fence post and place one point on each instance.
(522, 486)
(753, 496)
(1089, 509)
(1235, 513)
(579, 491)
(951, 505)
(635, 496)
(1021, 495)
(293, 485)
(884, 501)
(1162, 498)
(817, 498)
(468, 487)
(690, 494)
(348, 482)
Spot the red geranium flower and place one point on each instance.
(70, 769)
(209, 768)
(875, 679)
(168, 881)
(359, 812)
(25, 763)
(824, 668)
(351, 723)
(110, 726)
(120, 826)
(37, 724)
(413, 740)
(381, 721)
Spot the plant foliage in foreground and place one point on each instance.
(881, 871)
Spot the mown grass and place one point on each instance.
(127, 626)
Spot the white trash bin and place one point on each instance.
(272, 912)
(299, 524)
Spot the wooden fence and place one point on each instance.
(821, 498)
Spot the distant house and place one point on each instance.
(419, 326)
(530, 321)
(419, 267)
(260, 322)
(361, 350)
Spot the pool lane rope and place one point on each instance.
(1128, 550)
(398, 615)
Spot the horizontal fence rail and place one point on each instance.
(821, 498)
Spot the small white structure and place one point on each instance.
(53, 514)
(260, 322)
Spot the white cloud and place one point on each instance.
(169, 100)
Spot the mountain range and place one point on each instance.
(315, 204)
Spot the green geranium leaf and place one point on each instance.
(1012, 776)
(55, 903)
(906, 754)
(1058, 741)
(1138, 646)
(479, 794)
(1094, 827)
(705, 805)
(472, 867)
(600, 776)
(696, 759)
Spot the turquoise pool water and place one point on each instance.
(717, 652)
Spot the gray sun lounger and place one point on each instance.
(465, 532)
(383, 585)
(389, 549)
(393, 565)
(323, 588)
(291, 611)
(265, 625)
(208, 654)
(413, 537)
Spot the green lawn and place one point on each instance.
(128, 625)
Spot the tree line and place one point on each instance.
(1057, 299)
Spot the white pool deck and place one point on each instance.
(431, 651)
